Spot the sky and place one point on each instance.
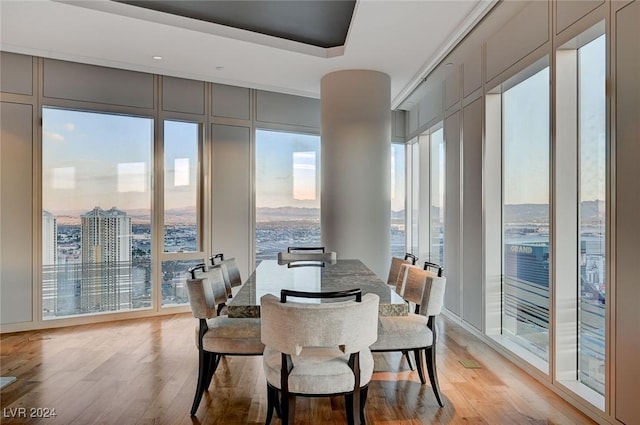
(94, 159)
(287, 169)
(526, 132)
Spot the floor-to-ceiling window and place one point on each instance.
(592, 213)
(181, 220)
(413, 196)
(287, 182)
(525, 215)
(398, 177)
(96, 212)
(436, 196)
(581, 207)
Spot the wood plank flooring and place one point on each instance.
(143, 371)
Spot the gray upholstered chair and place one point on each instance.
(318, 350)
(217, 335)
(417, 331)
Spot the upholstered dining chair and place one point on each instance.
(217, 335)
(284, 257)
(417, 331)
(318, 349)
(433, 266)
(212, 273)
(396, 263)
(230, 272)
(305, 248)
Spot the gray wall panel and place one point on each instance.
(230, 102)
(412, 122)
(452, 212)
(180, 95)
(89, 83)
(16, 223)
(569, 12)
(232, 213)
(398, 119)
(472, 73)
(16, 73)
(472, 215)
(431, 106)
(520, 36)
(452, 88)
(627, 266)
(281, 108)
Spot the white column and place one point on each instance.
(356, 166)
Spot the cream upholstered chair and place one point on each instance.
(284, 257)
(396, 263)
(230, 271)
(201, 270)
(305, 249)
(417, 331)
(217, 335)
(433, 266)
(318, 349)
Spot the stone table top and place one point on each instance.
(270, 277)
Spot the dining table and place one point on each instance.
(271, 276)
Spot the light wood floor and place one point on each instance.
(144, 372)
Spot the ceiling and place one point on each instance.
(321, 23)
(405, 39)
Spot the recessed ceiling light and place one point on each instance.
(158, 58)
(219, 68)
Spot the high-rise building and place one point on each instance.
(106, 260)
(49, 261)
(49, 239)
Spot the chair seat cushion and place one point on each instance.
(403, 332)
(232, 336)
(318, 370)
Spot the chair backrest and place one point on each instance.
(433, 295)
(217, 258)
(305, 249)
(410, 256)
(424, 289)
(201, 270)
(230, 270)
(289, 327)
(284, 257)
(205, 293)
(433, 266)
(394, 270)
(402, 277)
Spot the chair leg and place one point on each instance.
(278, 403)
(288, 405)
(203, 373)
(406, 354)
(430, 355)
(272, 402)
(363, 401)
(214, 360)
(419, 361)
(354, 406)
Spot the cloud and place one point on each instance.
(69, 126)
(54, 137)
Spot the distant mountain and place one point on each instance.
(288, 213)
(590, 212)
